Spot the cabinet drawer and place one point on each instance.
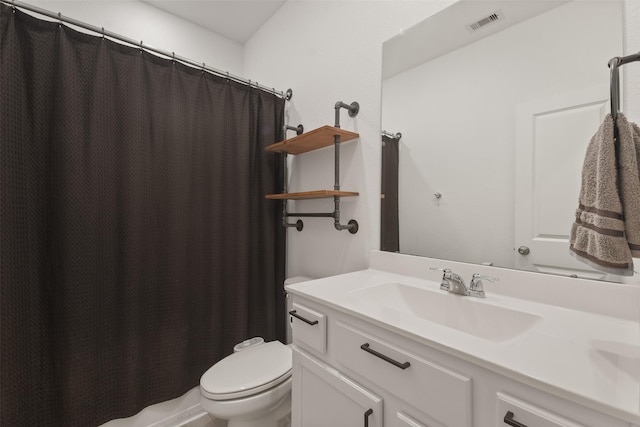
(442, 394)
(309, 328)
(518, 413)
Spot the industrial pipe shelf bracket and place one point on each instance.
(299, 225)
(352, 225)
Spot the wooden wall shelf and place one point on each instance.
(322, 137)
(313, 140)
(317, 194)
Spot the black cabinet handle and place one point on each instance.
(508, 419)
(366, 417)
(307, 321)
(367, 348)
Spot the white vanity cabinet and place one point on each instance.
(350, 371)
(361, 379)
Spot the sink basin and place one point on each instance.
(465, 314)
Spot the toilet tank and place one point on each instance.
(291, 281)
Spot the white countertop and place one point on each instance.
(579, 350)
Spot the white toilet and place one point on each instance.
(252, 386)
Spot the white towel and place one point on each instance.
(606, 232)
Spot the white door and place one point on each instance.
(552, 135)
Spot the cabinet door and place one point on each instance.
(323, 397)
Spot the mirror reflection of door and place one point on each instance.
(552, 135)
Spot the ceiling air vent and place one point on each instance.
(486, 20)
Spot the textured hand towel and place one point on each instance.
(606, 232)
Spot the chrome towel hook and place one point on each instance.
(614, 87)
(614, 64)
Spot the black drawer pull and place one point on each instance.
(508, 419)
(367, 348)
(366, 417)
(307, 321)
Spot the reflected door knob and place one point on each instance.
(523, 250)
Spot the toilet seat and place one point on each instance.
(247, 372)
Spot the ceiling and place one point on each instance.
(236, 20)
(450, 28)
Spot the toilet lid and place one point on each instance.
(247, 372)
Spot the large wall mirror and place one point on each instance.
(496, 102)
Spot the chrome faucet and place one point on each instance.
(452, 282)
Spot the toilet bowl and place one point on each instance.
(251, 387)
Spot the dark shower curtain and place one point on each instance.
(137, 245)
(390, 225)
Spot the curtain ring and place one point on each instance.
(59, 19)
(102, 33)
(141, 48)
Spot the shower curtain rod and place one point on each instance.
(59, 17)
(397, 135)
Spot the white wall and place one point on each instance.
(329, 51)
(154, 27)
(631, 101)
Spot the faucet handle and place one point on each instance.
(476, 287)
(478, 276)
(446, 275)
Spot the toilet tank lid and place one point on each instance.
(248, 369)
